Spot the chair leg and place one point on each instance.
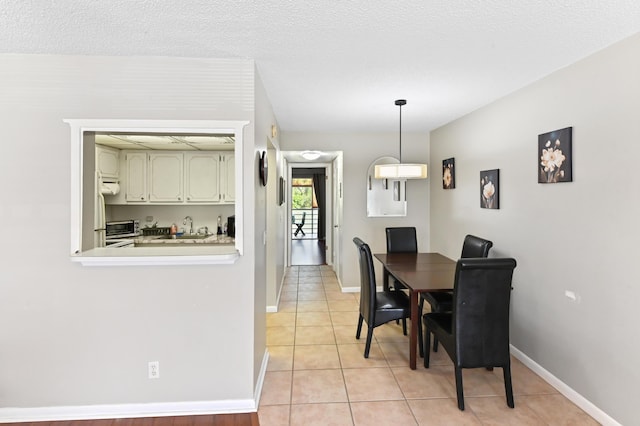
(404, 326)
(367, 346)
(459, 390)
(425, 348)
(359, 326)
(507, 385)
(420, 348)
(435, 344)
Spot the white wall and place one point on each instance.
(360, 150)
(275, 233)
(265, 205)
(74, 335)
(580, 236)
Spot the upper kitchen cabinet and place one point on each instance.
(174, 177)
(210, 177)
(228, 178)
(108, 162)
(166, 177)
(202, 183)
(135, 179)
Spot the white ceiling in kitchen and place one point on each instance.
(166, 142)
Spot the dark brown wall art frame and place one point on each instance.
(449, 173)
(490, 189)
(554, 156)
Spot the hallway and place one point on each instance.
(307, 252)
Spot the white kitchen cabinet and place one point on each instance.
(228, 178)
(108, 162)
(136, 177)
(175, 177)
(202, 182)
(166, 176)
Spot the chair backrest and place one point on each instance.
(367, 281)
(402, 240)
(475, 247)
(481, 297)
(304, 215)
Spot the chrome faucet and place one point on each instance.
(184, 222)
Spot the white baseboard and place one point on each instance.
(272, 308)
(573, 396)
(116, 411)
(351, 289)
(263, 370)
(156, 409)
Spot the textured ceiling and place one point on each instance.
(338, 65)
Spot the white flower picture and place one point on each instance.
(489, 189)
(554, 156)
(448, 173)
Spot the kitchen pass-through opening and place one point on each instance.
(180, 141)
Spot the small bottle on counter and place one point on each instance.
(174, 229)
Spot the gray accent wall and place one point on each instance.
(75, 336)
(580, 236)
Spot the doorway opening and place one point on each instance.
(308, 216)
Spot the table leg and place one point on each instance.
(413, 339)
(385, 279)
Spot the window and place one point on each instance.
(302, 194)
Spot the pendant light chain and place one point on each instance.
(400, 134)
(401, 102)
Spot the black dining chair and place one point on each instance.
(442, 301)
(377, 308)
(399, 240)
(475, 333)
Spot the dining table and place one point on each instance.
(419, 273)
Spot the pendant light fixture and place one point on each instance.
(401, 171)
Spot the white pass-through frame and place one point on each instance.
(80, 126)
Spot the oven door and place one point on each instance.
(119, 243)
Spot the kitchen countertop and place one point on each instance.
(155, 250)
(184, 239)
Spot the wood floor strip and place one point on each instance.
(240, 419)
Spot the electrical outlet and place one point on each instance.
(154, 369)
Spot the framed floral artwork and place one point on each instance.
(490, 189)
(448, 173)
(554, 156)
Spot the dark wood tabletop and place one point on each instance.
(419, 272)
(412, 258)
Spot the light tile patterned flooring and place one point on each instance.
(317, 374)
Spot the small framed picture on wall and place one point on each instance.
(554, 156)
(490, 189)
(449, 173)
